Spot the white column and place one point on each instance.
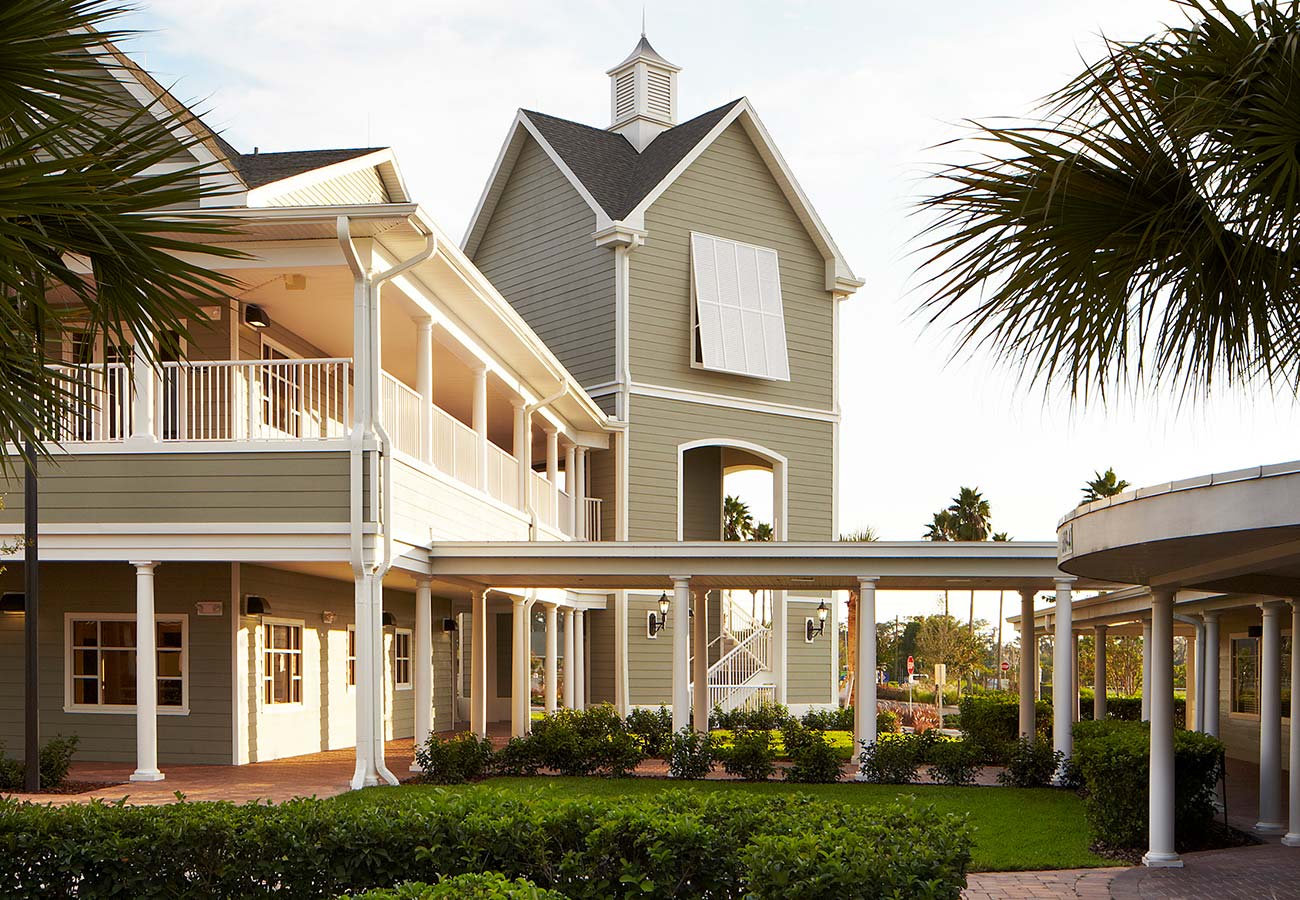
(1028, 663)
(144, 394)
(781, 645)
(1270, 721)
(569, 663)
(1099, 672)
(519, 669)
(1192, 699)
(478, 663)
(553, 470)
(1160, 689)
(1063, 671)
(700, 660)
(423, 662)
(552, 656)
(681, 634)
(523, 449)
(478, 419)
(366, 773)
(146, 677)
(424, 384)
(864, 713)
(1210, 701)
(580, 494)
(579, 660)
(1146, 671)
(570, 461)
(1292, 838)
(1074, 677)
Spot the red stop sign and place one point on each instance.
(911, 665)
(1005, 665)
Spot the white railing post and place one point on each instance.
(553, 472)
(479, 422)
(424, 386)
(144, 393)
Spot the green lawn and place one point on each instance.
(1015, 829)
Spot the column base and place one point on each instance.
(1291, 839)
(1161, 859)
(416, 767)
(147, 775)
(1270, 827)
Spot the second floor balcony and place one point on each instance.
(301, 402)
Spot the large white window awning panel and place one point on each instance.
(739, 317)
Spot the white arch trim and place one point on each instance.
(780, 479)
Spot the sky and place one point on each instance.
(856, 94)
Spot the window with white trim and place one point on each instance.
(282, 660)
(102, 657)
(738, 321)
(402, 658)
(352, 656)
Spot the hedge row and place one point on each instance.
(667, 845)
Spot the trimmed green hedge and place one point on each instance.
(1128, 709)
(991, 722)
(1111, 763)
(484, 886)
(667, 845)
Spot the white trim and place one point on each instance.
(263, 705)
(261, 195)
(729, 402)
(162, 448)
(410, 659)
(69, 706)
(238, 674)
(350, 657)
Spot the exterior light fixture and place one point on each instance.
(655, 624)
(255, 316)
(13, 602)
(256, 606)
(389, 620)
(813, 631)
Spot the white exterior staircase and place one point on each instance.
(742, 677)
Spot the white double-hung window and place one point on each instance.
(738, 321)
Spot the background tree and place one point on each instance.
(737, 520)
(1103, 485)
(942, 639)
(1143, 227)
(864, 534)
(967, 518)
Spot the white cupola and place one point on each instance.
(643, 95)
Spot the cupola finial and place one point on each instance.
(643, 93)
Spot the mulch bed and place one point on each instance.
(1216, 836)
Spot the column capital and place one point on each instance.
(1030, 594)
(423, 581)
(868, 581)
(1212, 615)
(1271, 606)
(478, 593)
(1100, 629)
(144, 565)
(1064, 581)
(681, 581)
(549, 604)
(424, 323)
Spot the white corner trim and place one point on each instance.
(731, 402)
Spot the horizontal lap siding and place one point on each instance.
(649, 660)
(203, 736)
(188, 487)
(598, 630)
(539, 253)
(660, 426)
(364, 186)
(426, 507)
(808, 665)
(729, 192)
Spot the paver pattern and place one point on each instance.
(1088, 884)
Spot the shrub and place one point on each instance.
(922, 718)
(764, 717)
(54, 761)
(813, 759)
(690, 755)
(1030, 764)
(471, 886)
(619, 754)
(464, 757)
(751, 755)
(890, 761)
(839, 719)
(655, 729)
(1112, 761)
(573, 742)
(954, 762)
(518, 758)
(887, 722)
(991, 722)
(669, 844)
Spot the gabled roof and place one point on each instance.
(258, 169)
(609, 166)
(619, 184)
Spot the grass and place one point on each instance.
(1015, 829)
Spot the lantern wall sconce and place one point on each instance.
(812, 631)
(655, 624)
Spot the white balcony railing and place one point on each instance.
(543, 499)
(101, 403)
(503, 475)
(592, 523)
(255, 400)
(455, 447)
(401, 410)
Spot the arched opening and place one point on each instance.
(710, 470)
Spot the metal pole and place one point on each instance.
(32, 601)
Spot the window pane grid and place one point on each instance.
(402, 658)
(103, 653)
(282, 659)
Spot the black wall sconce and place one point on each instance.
(655, 624)
(13, 602)
(815, 631)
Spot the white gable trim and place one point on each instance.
(378, 160)
(505, 164)
(839, 277)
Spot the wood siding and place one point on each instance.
(649, 659)
(538, 251)
(728, 192)
(660, 426)
(598, 629)
(241, 486)
(808, 665)
(203, 736)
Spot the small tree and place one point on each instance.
(1103, 485)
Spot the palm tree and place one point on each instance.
(737, 520)
(1103, 485)
(970, 514)
(942, 527)
(865, 534)
(1144, 226)
(762, 532)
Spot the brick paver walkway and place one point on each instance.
(1089, 884)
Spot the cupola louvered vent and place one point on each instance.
(625, 96)
(659, 88)
(643, 101)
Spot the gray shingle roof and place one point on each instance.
(258, 169)
(608, 165)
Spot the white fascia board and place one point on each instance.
(840, 278)
(262, 195)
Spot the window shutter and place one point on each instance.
(739, 316)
